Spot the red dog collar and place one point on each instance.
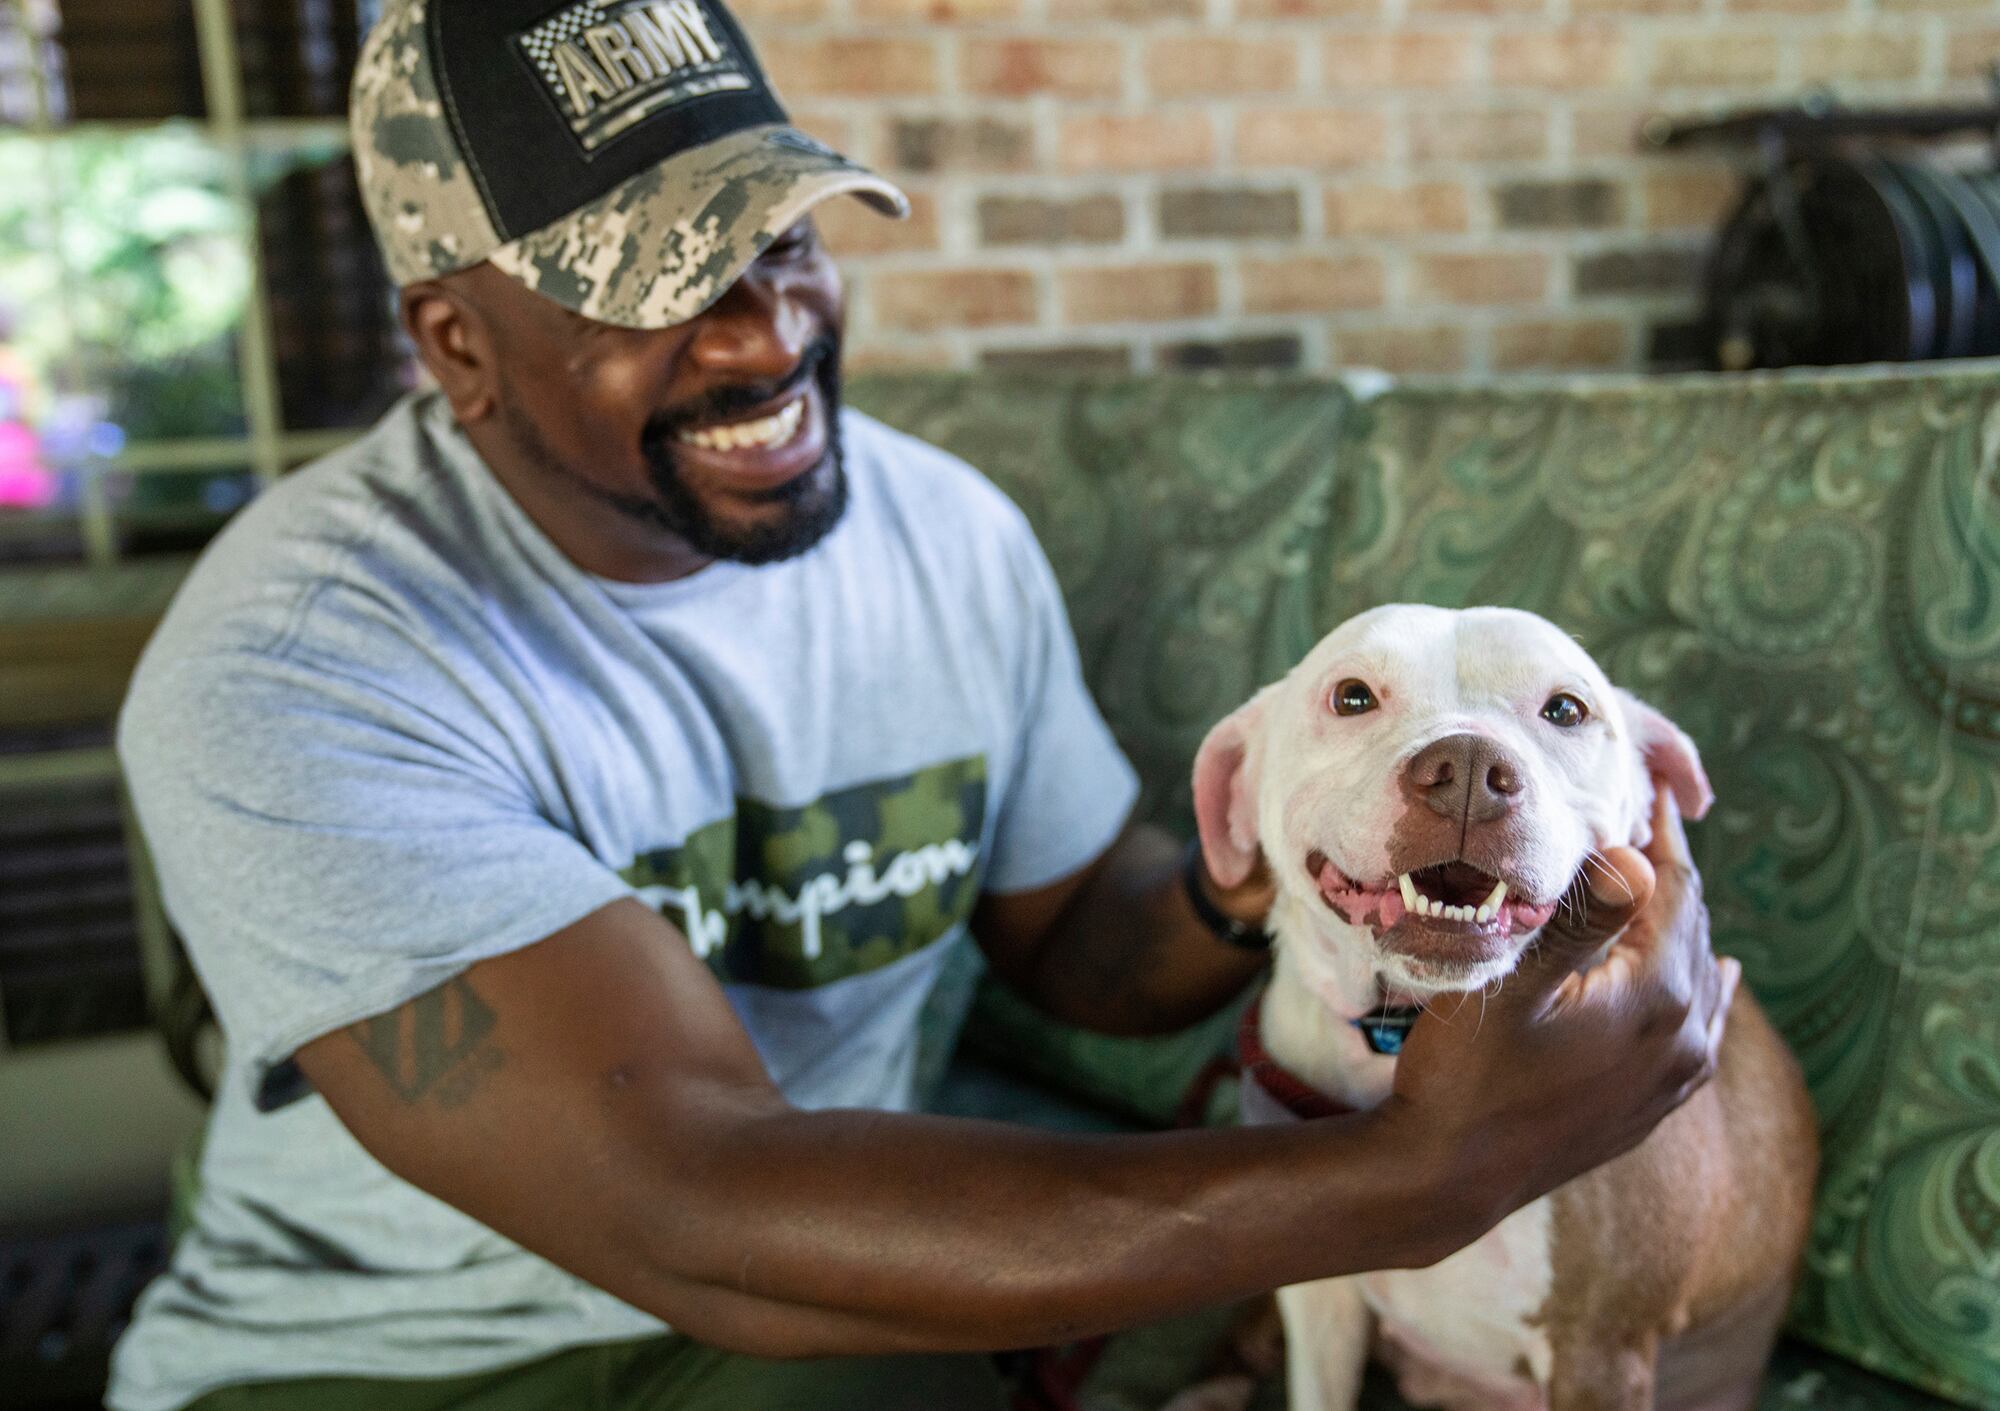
(1280, 1084)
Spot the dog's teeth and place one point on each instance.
(1483, 915)
(1494, 898)
(1461, 913)
(1409, 893)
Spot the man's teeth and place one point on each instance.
(1417, 904)
(773, 430)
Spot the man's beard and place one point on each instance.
(812, 502)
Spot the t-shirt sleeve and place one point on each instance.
(1071, 788)
(328, 849)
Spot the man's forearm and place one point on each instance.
(843, 1232)
(1128, 955)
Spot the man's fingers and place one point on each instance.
(1670, 840)
(1731, 974)
(1606, 895)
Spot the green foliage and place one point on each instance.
(123, 273)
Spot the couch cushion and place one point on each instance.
(1801, 569)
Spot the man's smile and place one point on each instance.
(760, 433)
(747, 443)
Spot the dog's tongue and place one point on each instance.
(1361, 906)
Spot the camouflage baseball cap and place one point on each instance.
(626, 158)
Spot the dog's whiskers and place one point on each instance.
(1593, 855)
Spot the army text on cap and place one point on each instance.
(610, 65)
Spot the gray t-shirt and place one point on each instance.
(387, 730)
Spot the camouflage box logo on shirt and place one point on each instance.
(609, 65)
(799, 897)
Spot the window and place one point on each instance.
(190, 299)
(191, 304)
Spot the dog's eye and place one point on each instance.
(1353, 697)
(1565, 711)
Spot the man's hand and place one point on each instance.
(1564, 1069)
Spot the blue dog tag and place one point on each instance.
(1386, 1029)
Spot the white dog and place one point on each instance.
(1425, 786)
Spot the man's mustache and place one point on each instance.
(722, 403)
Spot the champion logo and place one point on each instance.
(612, 63)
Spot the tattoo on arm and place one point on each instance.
(434, 1045)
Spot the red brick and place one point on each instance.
(958, 144)
(1973, 53)
(1425, 207)
(1568, 203)
(1691, 198)
(1177, 141)
(1481, 279)
(1860, 54)
(1402, 349)
(1062, 357)
(851, 68)
(937, 11)
(834, 129)
(925, 301)
(1205, 65)
(1478, 134)
(1312, 284)
(1138, 293)
(1622, 9)
(1310, 137)
(1039, 220)
(1561, 59)
(1229, 213)
(1409, 60)
(1257, 351)
(851, 227)
(761, 16)
(1068, 68)
(1129, 9)
(1720, 59)
(1641, 269)
(1787, 7)
(1498, 9)
(865, 356)
(1308, 9)
(1564, 344)
(1610, 129)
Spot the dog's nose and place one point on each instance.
(1465, 776)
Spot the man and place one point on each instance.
(568, 793)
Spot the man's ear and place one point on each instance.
(455, 345)
(1225, 792)
(1669, 755)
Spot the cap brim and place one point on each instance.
(664, 245)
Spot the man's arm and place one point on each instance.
(593, 1098)
(1116, 946)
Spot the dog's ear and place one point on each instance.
(1225, 792)
(1670, 755)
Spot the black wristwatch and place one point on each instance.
(1226, 928)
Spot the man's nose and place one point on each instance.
(1465, 776)
(756, 329)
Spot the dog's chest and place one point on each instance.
(1467, 1331)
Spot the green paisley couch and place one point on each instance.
(1804, 571)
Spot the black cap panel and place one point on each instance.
(556, 104)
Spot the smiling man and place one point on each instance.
(569, 794)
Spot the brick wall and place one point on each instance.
(1420, 185)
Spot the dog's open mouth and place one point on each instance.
(1445, 898)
